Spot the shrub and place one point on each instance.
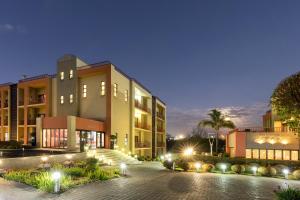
(279, 169)
(167, 164)
(266, 171)
(80, 164)
(207, 167)
(296, 174)
(141, 158)
(18, 176)
(91, 164)
(183, 164)
(74, 171)
(288, 194)
(10, 144)
(103, 174)
(238, 168)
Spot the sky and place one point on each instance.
(194, 55)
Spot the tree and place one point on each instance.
(285, 100)
(216, 121)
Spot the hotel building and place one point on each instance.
(274, 141)
(95, 105)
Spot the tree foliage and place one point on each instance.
(286, 101)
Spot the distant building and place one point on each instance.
(274, 141)
(83, 105)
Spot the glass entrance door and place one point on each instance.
(100, 140)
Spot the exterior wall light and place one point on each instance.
(254, 169)
(260, 141)
(285, 142)
(272, 141)
(56, 177)
(286, 172)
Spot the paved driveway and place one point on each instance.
(151, 181)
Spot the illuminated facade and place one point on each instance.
(83, 105)
(272, 142)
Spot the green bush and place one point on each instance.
(10, 144)
(207, 167)
(80, 164)
(18, 176)
(296, 174)
(266, 171)
(103, 174)
(288, 194)
(238, 168)
(141, 158)
(91, 164)
(167, 164)
(74, 171)
(182, 164)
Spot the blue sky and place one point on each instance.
(195, 55)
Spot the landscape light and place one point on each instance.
(286, 172)
(169, 159)
(188, 152)
(69, 156)
(135, 156)
(254, 169)
(123, 167)
(56, 177)
(223, 167)
(162, 157)
(44, 159)
(197, 166)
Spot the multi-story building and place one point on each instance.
(94, 105)
(274, 141)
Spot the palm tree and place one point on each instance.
(217, 121)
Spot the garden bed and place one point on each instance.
(72, 174)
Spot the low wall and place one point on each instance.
(34, 161)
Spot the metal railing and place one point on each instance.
(161, 144)
(142, 145)
(142, 126)
(160, 115)
(141, 106)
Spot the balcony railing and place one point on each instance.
(5, 104)
(5, 121)
(142, 126)
(160, 115)
(142, 145)
(21, 103)
(41, 99)
(160, 129)
(142, 107)
(260, 129)
(161, 144)
(21, 122)
(31, 122)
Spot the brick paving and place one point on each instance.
(151, 181)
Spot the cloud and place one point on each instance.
(12, 28)
(182, 121)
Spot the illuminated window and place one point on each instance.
(71, 74)
(115, 89)
(62, 75)
(271, 154)
(278, 154)
(61, 99)
(84, 92)
(286, 155)
(71, 98)
(294, 155)
(102, 88)
(248, 153)
(255, 153)
(262, 154)
(126, 95)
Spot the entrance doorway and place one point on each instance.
(91, 139)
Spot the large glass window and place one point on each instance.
(71, 74)
(248, 153)
(71, 98)
(278, 154)
(102, 88)
(62, 75)
(255, 154)
(55, 138)
(294, 155)
(262, 154)
(271, 154)
(84, 92)
(286, 155)
(115, 89)
(61, 99)
(126, 95)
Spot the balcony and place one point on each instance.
(5, 105)
(161, 130)
(21, 122)
(142, 107)
(40, 99)
(160, 115)
(31, 122)
(142, 126)
(142, 145)
(21, 103)
(161, 144)
(5, 121)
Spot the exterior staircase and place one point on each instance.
(116, 157)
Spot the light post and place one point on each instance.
(211, 142)
(188, 151)
(123, 167)
(162, 158)
(254, 169)
(223, 167)
(56, 177)
(197, 166)
(286, 173)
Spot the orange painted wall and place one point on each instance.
(55, 122)
(240, 150)
(87, 124)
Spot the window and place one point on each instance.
(71, 98)
(294, 155)
(248, 153)
(278, 154)
(102, 88)
(62, 75)
(115, 89)
(271, 154)
(84, 92)
(126, 95)
(286, 155)
(262, 154)
(55, 138)
(61, 99)
(255, 154)
(71, 74)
